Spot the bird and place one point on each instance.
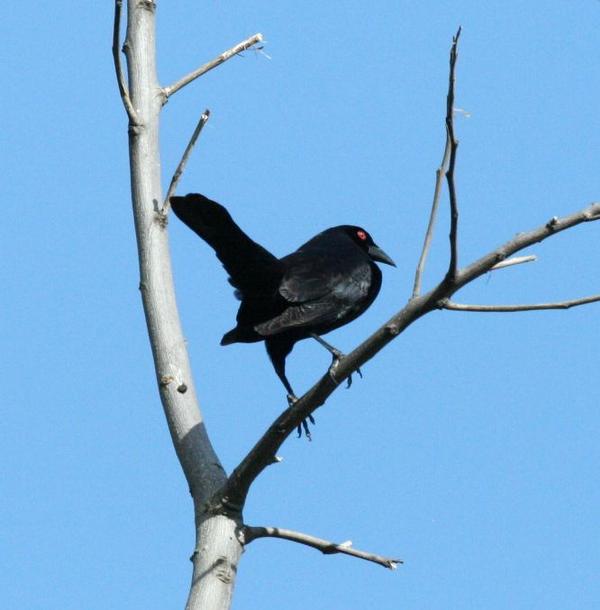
(326, 283)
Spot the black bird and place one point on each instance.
(326, 283)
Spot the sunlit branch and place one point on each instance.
(184, 159)
(123, 90)
(439, 177)
(516, 260)
(527, 307)
(217, 61)
(325, 546)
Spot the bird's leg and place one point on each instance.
(292, 400)
(334, 351)
(336, 355)
(277, 352)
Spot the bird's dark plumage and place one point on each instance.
(326, 283)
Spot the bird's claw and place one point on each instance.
(303, 425)
(349, 380)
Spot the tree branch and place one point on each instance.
(451, 275)
(184, 159)
(325, 546)
(446, 167)
(123, 90)
(517, 260)
(217, 61)
(439, 174)
(450, 305)
(233, 495)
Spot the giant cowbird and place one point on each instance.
(326, 283)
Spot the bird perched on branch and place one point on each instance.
(328, 282)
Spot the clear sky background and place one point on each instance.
(470, 448)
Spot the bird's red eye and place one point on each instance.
(361, 234)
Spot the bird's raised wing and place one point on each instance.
(249, 265)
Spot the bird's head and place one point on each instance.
(364, 241)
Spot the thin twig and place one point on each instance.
(439, 176)
(233, 494)
(451, 275)
(184, 159)
(325, 546)
(450, 305)
(517, 260)
(217, 61)
(123, 90)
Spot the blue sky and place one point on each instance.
(470, 447)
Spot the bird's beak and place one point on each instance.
(377, 254)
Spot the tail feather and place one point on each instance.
(247, 262)
(241, 334)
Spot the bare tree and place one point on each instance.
(219, 499)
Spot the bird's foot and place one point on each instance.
(303, 425)
(336, 357)
(349, 380)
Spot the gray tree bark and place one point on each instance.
(217, 547)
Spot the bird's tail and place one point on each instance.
(247, 262)
(241, 334)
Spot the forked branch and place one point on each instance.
(233, 494)
(442, 170)
(325, 546)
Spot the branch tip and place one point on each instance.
(517, 260)
(446, 169)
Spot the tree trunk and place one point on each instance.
(217, 549)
